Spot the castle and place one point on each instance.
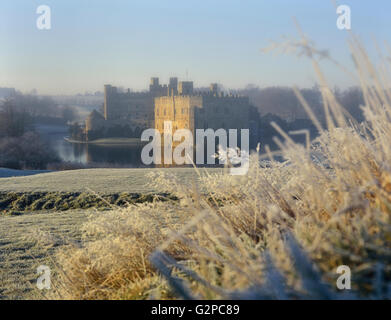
(177, 102)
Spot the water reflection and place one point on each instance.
(127, 155)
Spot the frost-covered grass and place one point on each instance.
(29, 241)
(12, 203)
(33, 236)
(96, 180)
(278, 232)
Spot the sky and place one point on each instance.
(125, 42)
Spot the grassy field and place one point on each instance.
(98, 180)
(29, 241)
(32, 238)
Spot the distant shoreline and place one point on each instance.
(109, 141)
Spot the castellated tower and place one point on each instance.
(185, 88)
(206, 110)
(173, 87)
(154, 85)
(188, 110)
(109, 100)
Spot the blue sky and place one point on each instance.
(126, 42)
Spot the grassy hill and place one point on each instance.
(36, 235)
(32, 242)
(104, 181)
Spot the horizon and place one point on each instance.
(125, 44)
(221, 87)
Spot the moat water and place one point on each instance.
(113, 155)
(110, 155)
(90, 154)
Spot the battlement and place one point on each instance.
(174, 88)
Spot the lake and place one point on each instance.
(114, 155)
(107, 155)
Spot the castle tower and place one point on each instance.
(154, 82)
(173, 86)
(109, 96)
(185, 88)
(154, 85)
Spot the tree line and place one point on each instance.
(20, 146)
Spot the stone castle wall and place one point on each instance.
(202, 112)
(175, 102)
(135, 108)
(177, 109)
